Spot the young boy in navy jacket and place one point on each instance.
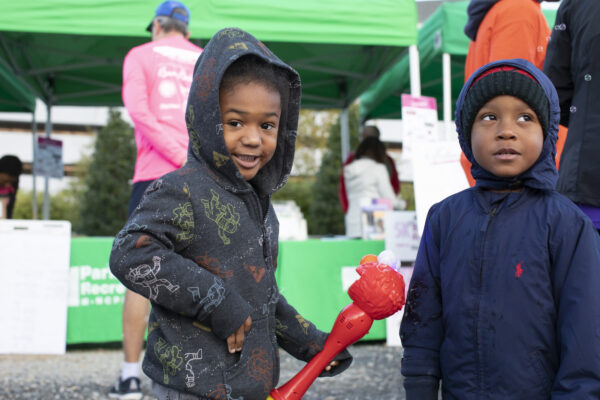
(504, 301)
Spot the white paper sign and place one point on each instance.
(437, 175)
(401, 234)
(419, 122)
(48, 158)
(34, 274)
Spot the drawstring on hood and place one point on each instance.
(203, 115)
(543, 174)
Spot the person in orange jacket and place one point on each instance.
(504, 29)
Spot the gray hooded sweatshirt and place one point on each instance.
(202, 246)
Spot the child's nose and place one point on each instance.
(506, 131)
(506, 134)
(251, 136)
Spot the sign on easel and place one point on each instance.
(419, 122)
(48, 158)
(34, 272)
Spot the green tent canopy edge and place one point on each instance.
(71, 52)
(441, 33)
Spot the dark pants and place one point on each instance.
(137, 192)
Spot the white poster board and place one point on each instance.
(437, 175)
(48, 158)
(34, 273)
(401, 234)
(419, 122)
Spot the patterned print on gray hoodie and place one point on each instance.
(202, 246)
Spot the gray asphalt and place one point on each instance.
(89, 373)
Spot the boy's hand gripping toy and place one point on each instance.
(377, 294)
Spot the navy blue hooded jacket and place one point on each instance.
(504, 301)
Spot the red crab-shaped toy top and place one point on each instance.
(379, 291)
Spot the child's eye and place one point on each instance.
(268, 126)
(234, 123)
(525, 118)
(488, 117)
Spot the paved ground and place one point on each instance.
(89, 373)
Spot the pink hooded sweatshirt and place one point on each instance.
(156, 80)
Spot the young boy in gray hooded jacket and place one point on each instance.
(202, 244)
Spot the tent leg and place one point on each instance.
(34, 205)
(345, 133)
(447, 94)
(415, 74)
(46, 207)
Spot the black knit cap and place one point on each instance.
(504, 80)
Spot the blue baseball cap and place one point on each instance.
(173, 9)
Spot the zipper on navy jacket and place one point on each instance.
(478, 357)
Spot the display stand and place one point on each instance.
(402, 239)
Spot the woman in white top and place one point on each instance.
(366, 178)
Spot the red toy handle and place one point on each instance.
(351, 324)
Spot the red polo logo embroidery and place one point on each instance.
(518, 270)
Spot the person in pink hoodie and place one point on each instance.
(156, 80)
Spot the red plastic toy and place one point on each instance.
(377, 294)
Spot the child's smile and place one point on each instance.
(250, 113)
(246, 161)
(506, 137)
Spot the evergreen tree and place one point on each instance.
(325, 215)
(103, 208)
(313, 130)
(298, 189)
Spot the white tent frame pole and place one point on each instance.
(447, 92)
(34, 205)
(415, 70)
(447, 87)
(345, 133)
(46, 206)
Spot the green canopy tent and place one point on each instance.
(14, 96)
(443, 48)
(70, 52)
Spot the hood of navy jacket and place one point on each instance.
(203, 115)
(542, 174)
